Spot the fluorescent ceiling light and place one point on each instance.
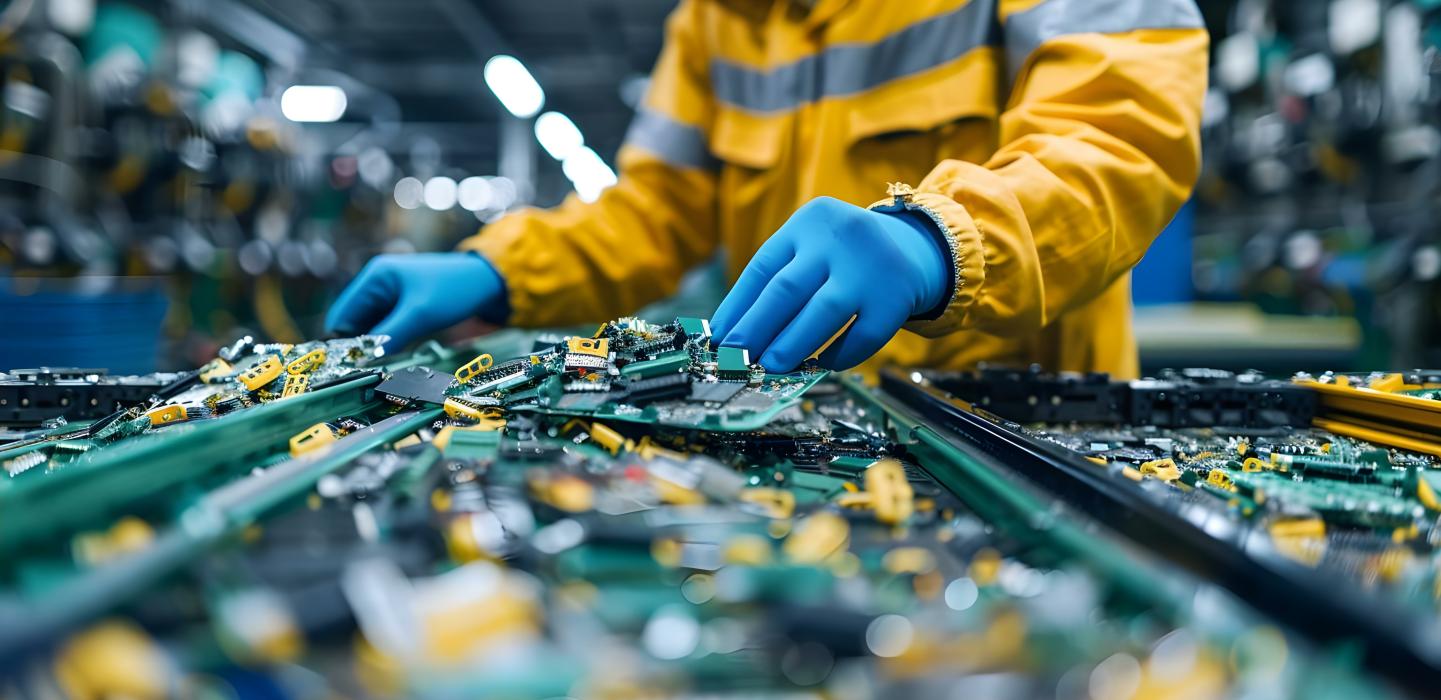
(408, 192)
(440, 193)
(313, 103)
(474, 193)
(513, 86)
(590, 175)
(558, 135)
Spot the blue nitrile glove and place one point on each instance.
(408, 296)
(829, 262)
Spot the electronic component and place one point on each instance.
(415, 384)
(33, 396)
(1244, 449)
(1173, 399)
(668, 515)
(637, 371)
(474, 368)
(314, 438)
(216, 370)
(295, 385)
(261, 373)
(309, 362)
(733, 363)
(166, 415)
(595, 347)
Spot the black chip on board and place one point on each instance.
(666, 386)
(415, 384)
(715, 392)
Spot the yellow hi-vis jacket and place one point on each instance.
(1056, 138)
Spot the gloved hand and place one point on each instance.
(408, 296)
(830, 262)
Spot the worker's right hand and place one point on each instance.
(409, 296)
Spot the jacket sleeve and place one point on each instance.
(1099, 147)
(586, 261)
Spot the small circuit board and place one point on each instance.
(633, 512)
(534, 554)
(1364, 510)
(244, 375)
(633, 371)
(248, 373)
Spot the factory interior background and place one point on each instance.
(246, 506)
(174, 175)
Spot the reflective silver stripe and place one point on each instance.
(847, 69)
(1026, 31)
(681, 145)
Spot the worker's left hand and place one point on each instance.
(831, 262)
(409, 296)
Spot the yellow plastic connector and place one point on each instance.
(309, 362)
(1427, 495)
(112, 659)
(595, 347)
(166, 414)
(295, 385)
(1392, 383)
(909, 560)
(888, 493)
(818, 538)
(262, 373)
(607, 437)
(777, 503)
(891, 494)
(1300, 539)
(127, 536)
(463, 411)
(747, 550)
(214, 370)
(314, 438)
(649, 450)
(489, 422)
(1163, 469)
(469, 370)
(461, 541)
(566, 492)
(1220, 480)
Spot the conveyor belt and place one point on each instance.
(1393, 642)
(33, 628)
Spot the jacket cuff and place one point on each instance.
(963, 238)
(498, 245)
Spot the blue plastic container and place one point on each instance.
(107, 323)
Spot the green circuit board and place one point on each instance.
(1367, 513)
(416, 529)
(635, 371)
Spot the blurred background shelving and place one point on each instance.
(176, 173)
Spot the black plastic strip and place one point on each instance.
(181, 383)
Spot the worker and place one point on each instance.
(1021, 155)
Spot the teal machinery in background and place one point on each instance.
(86, 320)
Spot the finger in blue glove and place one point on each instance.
(832, 264)
(408, 296)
